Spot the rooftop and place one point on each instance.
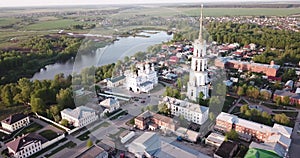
(14, 118)
(186, 104)
(108, 102)
(225, 149)
(20, 142)
(78, 112)
(92, 152)
(116, 79)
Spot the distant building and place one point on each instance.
(110, 105)
(227, 150)
(115, 82)
(94, 152)
(190, 111)
(142, 80)
(294, 97)
(15, 121)
(268, 69)
(25, 146)
(80, 116)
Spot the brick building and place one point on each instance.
(294, 97)
(267, 69)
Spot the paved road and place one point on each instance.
(294, 150)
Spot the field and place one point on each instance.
(52, 24)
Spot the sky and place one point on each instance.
(18, 3)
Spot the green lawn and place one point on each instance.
(69, 145)
(103, 124)
(84, 136)
(33, 127)
(8, 21)
(48, 134)
(236, 110)
(53, 24)
(259, 153)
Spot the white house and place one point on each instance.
(110, 105)
(80, 116)
(141, 80)
(15, 121)
(191, 112)
(25, 146)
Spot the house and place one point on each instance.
(26, 145)
(94, 152)
(294, 97)
(110, 105)
(116, 81)
(15, 121)
(80, 116)
(190, 111)
(187, 134)
(149, 119)
(215, 139)
(227, 150)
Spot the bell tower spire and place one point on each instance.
(201, 19)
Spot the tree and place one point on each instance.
(7, 96)
(64, 122)
(126, 59)
(286, 100)
(37, 105)
(65, 98)
(25, 86)
(89, 143)
(163, 109)
(281, 119)
(212, 116)
(278, 100)
(179, 83)
(240, 91)
(244, 108)
(265, 95)
(232, 135)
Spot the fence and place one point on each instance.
(48, 143)
(48, 120)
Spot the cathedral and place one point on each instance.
(198, 81)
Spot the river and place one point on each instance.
(124, 46)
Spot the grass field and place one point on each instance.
(8, 21)
(170, 11)
(48, 134)
(52, 24)
(30, 129)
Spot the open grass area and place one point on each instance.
(52, 24)
(84, 136)
(8, 21)
(48, 134)
(69, 145)
(33, 127)
(103, 124)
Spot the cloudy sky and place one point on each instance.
(15, 3)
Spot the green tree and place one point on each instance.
(37, 105)
(89, 143)
(286, 100)
(240, 91)
(179, 83)
(265, 95)
(64, 122)
(281, 119)
(244, 108)
(65, 98)
(232, 135)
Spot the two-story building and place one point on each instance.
(15, 121)
(80, 116)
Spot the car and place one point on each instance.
(143, 101)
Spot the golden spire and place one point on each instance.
(200, 31)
